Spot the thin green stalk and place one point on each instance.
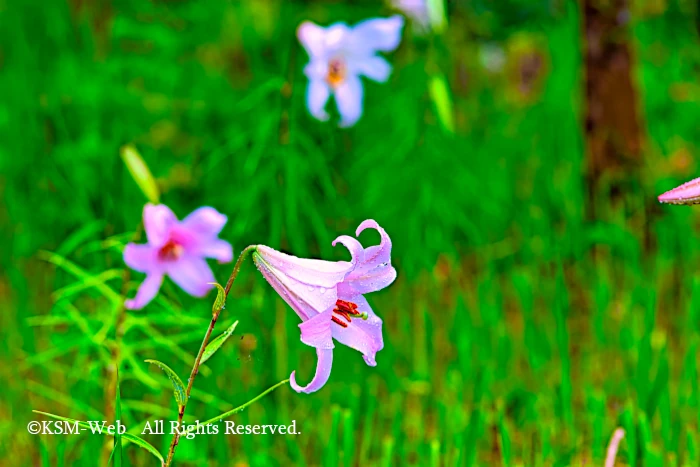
(116, 349)
(239, 408)
(198, 360)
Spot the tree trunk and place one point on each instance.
(613, 131)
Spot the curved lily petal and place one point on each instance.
(374, 67)
(323, 372)
(349, 97)
(192, 274)
(157, 221)
(147, 291)
(362, 335)
(375, 272)
(316, 332)
(205, 221)
(355, 248)
(218, 249)
(688, 193)
(141, 258)
(317, 95)
(378, 34)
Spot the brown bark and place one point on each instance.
(613, 131)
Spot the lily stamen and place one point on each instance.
(339, 322)
(336, 73)
(170, 251)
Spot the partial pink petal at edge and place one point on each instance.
(147, 291)
(141, 258)
(192, 274)
(205, 221)
(157, 221)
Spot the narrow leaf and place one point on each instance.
(139, 171)
(220, 301)
(440, 94)
(178, 387)
(214, 345)
(65, 419)
(144, 444)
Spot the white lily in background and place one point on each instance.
(417, 11)
(339, 55)
(426, 15)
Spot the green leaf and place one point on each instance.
(139, 171)
(440, 94)
(178, 387)
(144, 444)
(126, 436)
(214, 345)
(220, 301)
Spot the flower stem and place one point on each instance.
(116, 350)
(198, 360)
(239, 408)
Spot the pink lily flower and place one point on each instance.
(688, 193)
(329, 298)
(339, 55)
(178, 249)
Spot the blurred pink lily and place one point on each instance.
(339, 55)
(688, 193)
(178, 249)
(329, 298)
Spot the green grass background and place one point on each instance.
(519, 330)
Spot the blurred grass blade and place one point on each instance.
(440, 95)
(140, 173)
(332, 446)
(435, 453)
(178, 387)
(81, 274)
(126, 436)
(214, 345)
(437, 15)
(118, 416)
(387, 452)
(349, 439)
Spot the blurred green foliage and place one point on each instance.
(520, 331)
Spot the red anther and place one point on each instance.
(346, 310)
(170, 251)
(339, 322)
(346, 307)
